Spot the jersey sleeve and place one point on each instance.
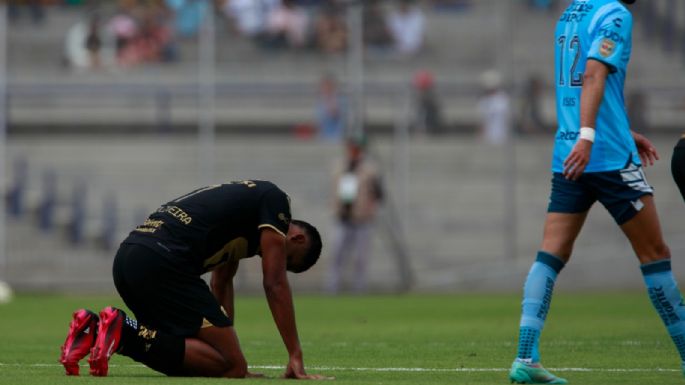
(611, 39)
(274, 212)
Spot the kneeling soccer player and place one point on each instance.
(182, 327)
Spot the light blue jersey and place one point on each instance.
(594, 30)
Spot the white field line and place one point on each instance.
(355, 369)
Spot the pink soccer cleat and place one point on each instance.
(107, 342)
(82, 333)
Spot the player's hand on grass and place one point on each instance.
(314, 377)
(295, 370)
(577, 160)
(645, 149)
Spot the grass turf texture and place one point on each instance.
(417, 339)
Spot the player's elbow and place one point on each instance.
(214, 285)
(592, 78)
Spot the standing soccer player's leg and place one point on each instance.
(644, 233)
(560, 233)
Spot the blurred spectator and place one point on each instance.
(93, 42)
(331, 109)
(77, 222)
(124, 28)
(88, 44)
(35, 8)
(164, 18)
(407, 25)
(358, 193)
(16, 193)
(142, 34)
(154, 41)
(249, 16)
(287, 26)
(189, 15)
(531, 112)
(428, 114)
(494, 108)
(48, 201)
(376, 33)
(331, 30)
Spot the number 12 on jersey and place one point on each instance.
(569, 55)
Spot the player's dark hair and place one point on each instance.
(315, 246)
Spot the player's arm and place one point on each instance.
(221, 284)
(280, 299)
(594, 82)
(277, 290)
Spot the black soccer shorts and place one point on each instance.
(163, 295)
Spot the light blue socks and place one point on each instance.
(665, 296)
(537, 296)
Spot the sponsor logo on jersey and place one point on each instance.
(568, 135)
(576, 12)
(612, 35)
(618, 22)
(607, 47)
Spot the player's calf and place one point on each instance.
(121, 334)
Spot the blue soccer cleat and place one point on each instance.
(523, 373)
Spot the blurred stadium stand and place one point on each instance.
(154, 96)
(127, 134)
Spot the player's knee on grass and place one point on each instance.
(235, 365)
(237, 370)
(217, 350)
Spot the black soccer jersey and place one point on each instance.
(215, 224)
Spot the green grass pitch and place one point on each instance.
(417, 339)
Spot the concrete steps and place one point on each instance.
(455, 207)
